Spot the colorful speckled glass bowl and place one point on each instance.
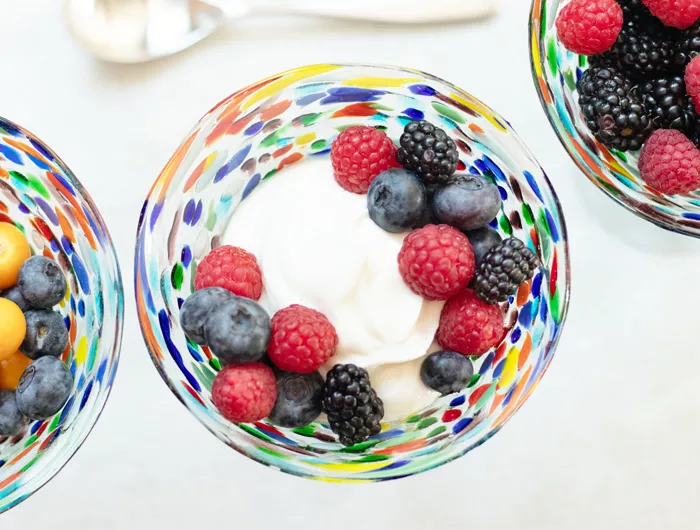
(251, 136)
(42, 197)
(555, 71)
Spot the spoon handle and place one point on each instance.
(396, 11)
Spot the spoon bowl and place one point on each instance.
(134, 31)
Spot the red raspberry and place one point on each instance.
(692, 81)
(231, 268)
(359, 154)
(244, 393)
(670, 163)
(302, 339)
(679, 14)
(436, 261)
(470, 326)
(589, 27)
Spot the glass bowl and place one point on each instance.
(252, 135)
(42, 197)
(555, 71)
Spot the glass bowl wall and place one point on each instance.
(252, 136)
(42, 197)
(555, 71)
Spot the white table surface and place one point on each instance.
(610, 438)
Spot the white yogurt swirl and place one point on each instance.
(317, 246)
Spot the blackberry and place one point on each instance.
(667, 103)
(612, 111)
(687, 46)
(693, 131)
(428, 151)
(353, 407)
(640, 55)
(635, 13)
(599, 80)
(503, 269)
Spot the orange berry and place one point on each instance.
(12, 368)
(14, 250)
(13, 327)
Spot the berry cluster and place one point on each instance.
(35, 383)
(451, 253)
(270, 365)
(222, 313)
(643, 88)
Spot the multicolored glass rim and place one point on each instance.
(251, 136)
(555, 71)
(43, 198)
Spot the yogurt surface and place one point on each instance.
(317, 246)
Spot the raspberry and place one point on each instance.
(470, 326)
(679, 14)
(359, 154)
(670, 163)
(302, 339)
(692, 81)
(231, 268)
(436, 261)
(589, 27)
(244, 393)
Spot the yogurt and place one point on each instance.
(317, 246)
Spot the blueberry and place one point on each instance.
(47, 334)
(44, 388)
(446, 371)
(197, 307)
(15, 295)
(467, 202)
(396, 200)
(483, 240)
(427, 218)
(237, 331)
(11, 419)
(42, 283)
(299, 399)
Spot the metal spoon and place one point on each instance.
(133, 31)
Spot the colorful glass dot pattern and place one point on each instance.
(555, 72)
(40, 196)
(251, 136)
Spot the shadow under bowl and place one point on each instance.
(42, 197)
(250, 137)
